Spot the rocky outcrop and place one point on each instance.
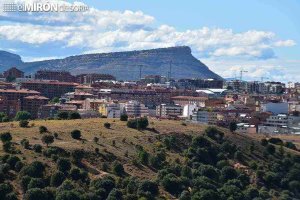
(127, 65)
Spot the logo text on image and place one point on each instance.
(43, 7)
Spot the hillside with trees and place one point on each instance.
(91, 159)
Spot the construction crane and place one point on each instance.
(241, 74)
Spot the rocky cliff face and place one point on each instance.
(8, 60)
(127, 65)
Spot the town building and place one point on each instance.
(151, 98)
(13, 73)
(91, 78)
(280, 124)
(205, 117)
(245, 128)
(50, 89)
(93, 104)
(11, 100)
(62, 76)
(184, 100)
(51, 110)
(275, 107)
(136, 109)
(110, 110)
(32, 104)
(168, 111)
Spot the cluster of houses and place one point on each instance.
(267, 108)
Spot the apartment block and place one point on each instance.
(62, 76)
(50, 89)
(136, 109)
(168, 111)
(11, 100)
(13, 72)
(33, 103)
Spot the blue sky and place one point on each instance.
(261, 37)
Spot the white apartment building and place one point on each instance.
(166, 111)
(136, 109)
(205, 117)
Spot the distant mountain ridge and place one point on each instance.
(123, 65)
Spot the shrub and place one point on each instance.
(7, 147)
(25, 143)
(18, 166)
(35, 169)
(2, 115)
(37, 148)
(47, 139)
(76, 134)
(107, 125)
(5, 189)
(36, 183)
(22, 115)
(77, 155)
(68, 195)
(35, 193)
(43, 129)
(63, 164)
(75, 174)
(277, 141)
(23, 123)
(132, 123)
(57, 179)
(264, 142)
(148, 188)
(96, 140)
(12, 160)
(118, 168)
(115, 194)
(5, 137)
(232, 126)
(63, 115)
(124, 117)
(55, 135)
(74, 115)
(270, 149)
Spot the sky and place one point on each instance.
(261, 37)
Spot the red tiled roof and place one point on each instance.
(37, 97)
(189, 98)
(50, 82)
(23, 91)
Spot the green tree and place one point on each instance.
(124, 117)
(118, 168)
(232, 126)
(23, 123)
(107, 125)
(2, 116)
(22, 115)
(35, 194)
(43, 129)
(55, 100)
(63, 164)
(74, 115)
(48, 139)
(5, 137)
(63, 115)
(76, 134)
(57, 179)
(148, 188)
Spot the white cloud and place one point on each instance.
(285, 43)
(101, 31)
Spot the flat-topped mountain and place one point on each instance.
(126, 65)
